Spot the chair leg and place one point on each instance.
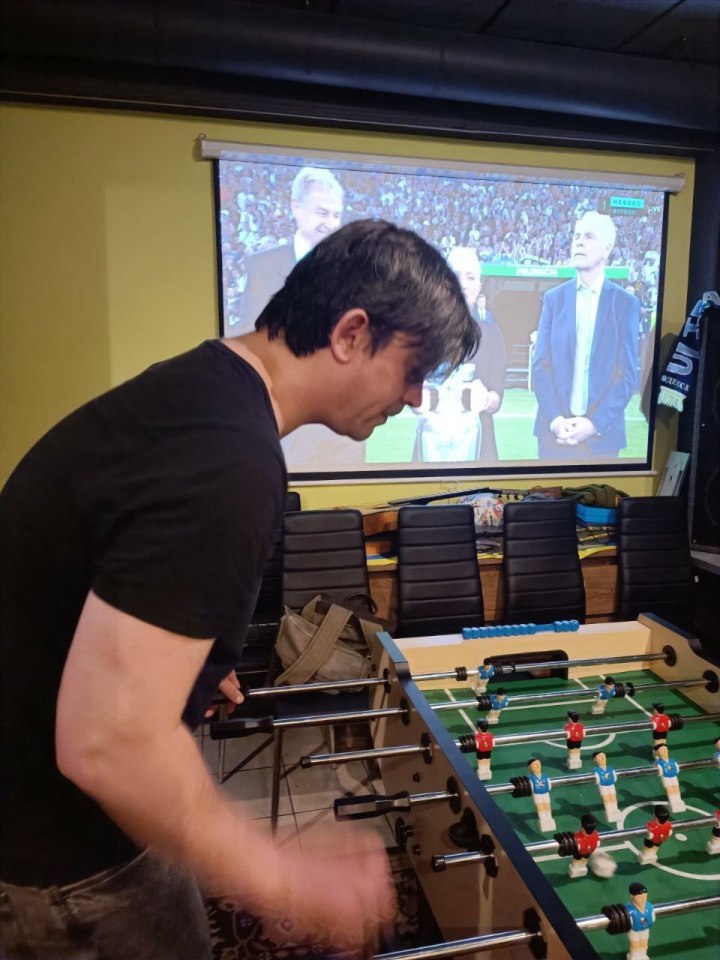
(276, 776)
(222, 715)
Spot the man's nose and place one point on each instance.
(413, 395)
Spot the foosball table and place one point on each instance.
(503, 876)
(557, 793)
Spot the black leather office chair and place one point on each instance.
(542, 576)
(258, 654)
(262, 631)
(323, 552)
(439, 588)
(655, 572)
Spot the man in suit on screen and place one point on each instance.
(585, 363)
(316, 201)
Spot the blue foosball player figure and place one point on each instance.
(498, 701)
(642, 917)
(486, 671)
(668, 770)
(606, 691)
(606, 778)
(541, 787)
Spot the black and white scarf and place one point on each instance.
(678, 379)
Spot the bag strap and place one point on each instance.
(370, 630)
(357, 605)
(318, 649)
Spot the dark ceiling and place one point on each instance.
(640, 70)
(666, 29)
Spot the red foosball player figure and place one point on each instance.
(575, 732)
(659, 829)
(642, 917)
(660, 725)
(586, 852)
(484, 742)
(713, 844)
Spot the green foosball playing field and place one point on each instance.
(684, 867)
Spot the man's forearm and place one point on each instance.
(160, 793)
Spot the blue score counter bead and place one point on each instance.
(519, 629)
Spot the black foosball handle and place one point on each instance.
(365, 807)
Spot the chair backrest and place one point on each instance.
(439, 587)
(655, 573)
(268, 608)
(542, 575)
(260, 639)
(323, 552)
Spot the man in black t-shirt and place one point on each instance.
(132, 542)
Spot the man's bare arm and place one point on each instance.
(120, 739)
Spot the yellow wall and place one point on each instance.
(107, 255)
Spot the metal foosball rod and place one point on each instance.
(547, 846)
(517, 787)
(350, 756)
(227, 729)
(318, 687)
(372, 753)
(458, 673)
(441, 862)
(483, 701)
(677, 723)
(616, 920)
(502, 669)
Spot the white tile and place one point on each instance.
(238, 750)
(251, 790)
(303, 741)
(317, 788)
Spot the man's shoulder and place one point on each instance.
(561, 290)
(621, 296)
(281, 254)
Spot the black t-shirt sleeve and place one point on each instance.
(191, 527)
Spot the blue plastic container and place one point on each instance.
(596, 516)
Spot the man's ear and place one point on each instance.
(351, 335)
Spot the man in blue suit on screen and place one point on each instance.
(585, 363)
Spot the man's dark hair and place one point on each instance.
(403, 284)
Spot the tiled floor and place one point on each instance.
(306, 796)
